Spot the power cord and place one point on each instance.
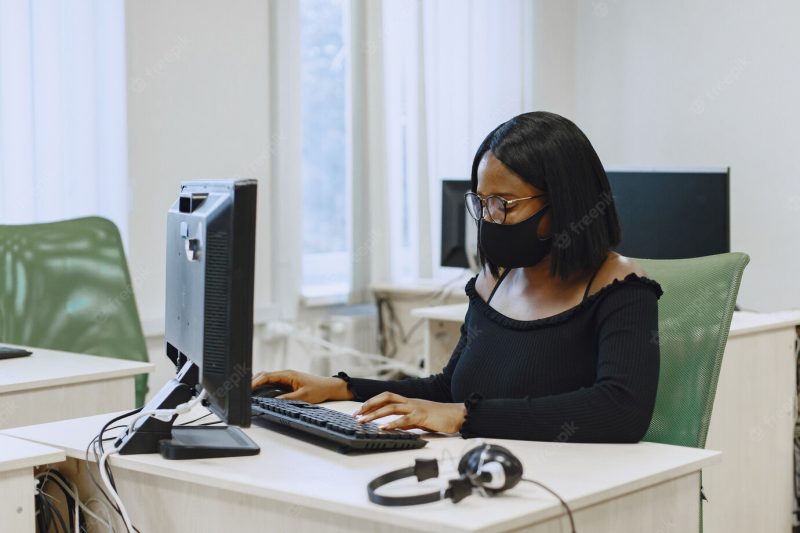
(388, 330)
(335, 349)
(47, 514)
(97, 443)
(74, 505)
(166, 415)
(70, 496)
(106, 476)
(195, 420)
(446, 455)
(101, 455)
(561, 500)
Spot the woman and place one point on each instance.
(559, 341)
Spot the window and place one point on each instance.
(326, 184)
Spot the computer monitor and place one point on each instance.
(209, 320)
(459, 230)
(209, 297)
(672, 213)
(664, 214)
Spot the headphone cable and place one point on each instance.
(554, 493)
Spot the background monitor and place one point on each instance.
(672, 214)
(458, 228)
(664, 214)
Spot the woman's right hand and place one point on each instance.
(306, 387)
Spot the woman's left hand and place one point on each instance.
(419, 414)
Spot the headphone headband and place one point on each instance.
(490, 468)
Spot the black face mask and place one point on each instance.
(514, 245)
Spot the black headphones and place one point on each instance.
(489, 468)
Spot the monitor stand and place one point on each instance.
(152, 435)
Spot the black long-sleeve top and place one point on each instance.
(588, 374)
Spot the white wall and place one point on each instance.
(198, 107)
(553, 41)
(710, 83)
(650, 84)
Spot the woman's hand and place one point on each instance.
(306, 387)
(420, 414)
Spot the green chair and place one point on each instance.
(694, 317)
(66, 286)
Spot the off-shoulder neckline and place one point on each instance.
(563, 316)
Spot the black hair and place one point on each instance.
(552, 153)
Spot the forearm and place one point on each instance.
(595, 414)
(435, 388)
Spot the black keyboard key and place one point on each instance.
(340, 428)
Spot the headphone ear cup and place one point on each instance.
(481, 455)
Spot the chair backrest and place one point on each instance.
(66, 286)
(694, 316)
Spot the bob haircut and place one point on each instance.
(552, 153)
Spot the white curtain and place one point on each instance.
(63, 141)
(427, 81)
(454, 70)
(371, 185)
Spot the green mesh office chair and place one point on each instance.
(694, 316)
(66, 286)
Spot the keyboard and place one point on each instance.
(337, 428)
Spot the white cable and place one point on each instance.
(165, 415)
(83, 505)
(343, 350)
(77, 505)
(106, 509)
(111, 491)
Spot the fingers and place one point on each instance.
(404, 422)
(379, 401)
(386, 410)
(299, 394)
(282, 376)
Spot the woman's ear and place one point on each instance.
(545, 228)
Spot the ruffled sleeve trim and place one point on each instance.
(631, 280)
(472, 404)
(347, 379)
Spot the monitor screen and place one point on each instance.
(456, 224)
(664, 214)
(672, 214)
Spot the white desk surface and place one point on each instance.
(18, 453)
(424, 287)
(48, 368)
(743, 321)
(297, 472)
(448, 313)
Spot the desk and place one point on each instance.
(17, 459)
(68, 384)
(297, 486)
(752, 423)
(405, 296)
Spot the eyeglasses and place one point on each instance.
(496, 206)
